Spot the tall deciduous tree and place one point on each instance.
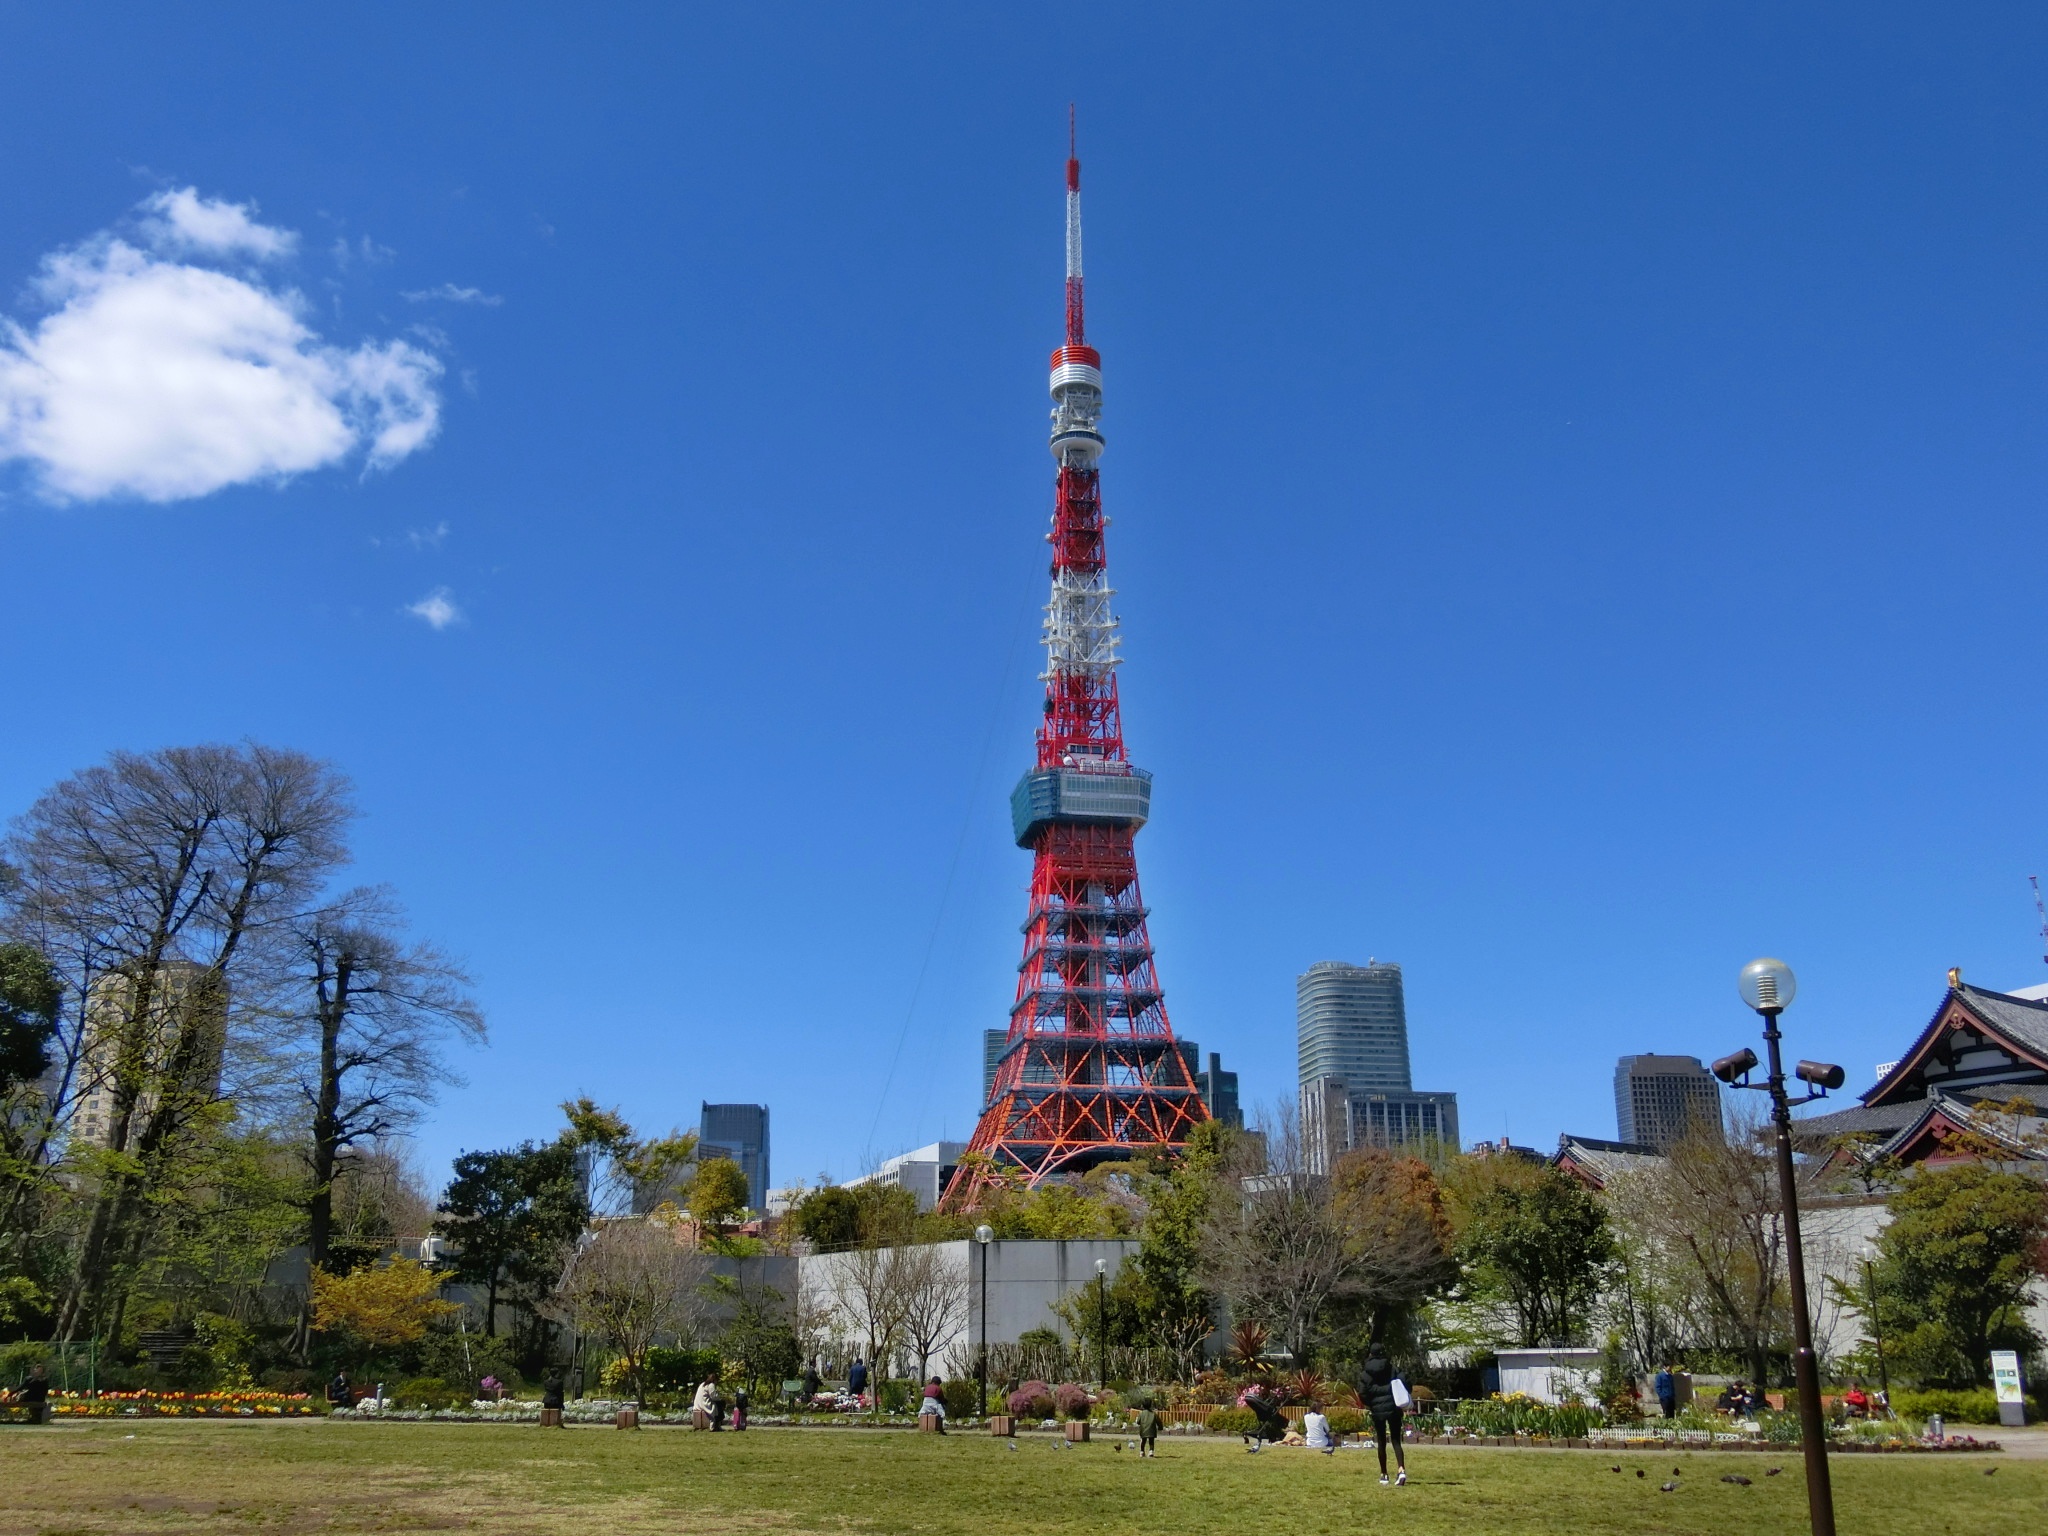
(629, 1284)
(1964, 1245)
(379, 1011)
(513, 1217)
(1396, 1231)
(1713, 1206)
(154, 884)
(1532, 1239)
(1273, 1245)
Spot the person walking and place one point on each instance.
(739, 1409)
(812, 1381)
(1148, 1430)
(857, 1378)
(1667, 1392)
(1376, 1387)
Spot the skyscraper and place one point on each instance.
(1353, 1024)
(740, 1132)
(1356, 1091)
(1657, 1099)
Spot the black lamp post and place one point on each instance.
(983, 1236)
(1768, 987)
(1102, 1324)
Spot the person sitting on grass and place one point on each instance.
(1315, 1431)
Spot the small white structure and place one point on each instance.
(1551, 1375)
(923, 1172)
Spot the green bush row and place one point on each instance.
(1979, 1406)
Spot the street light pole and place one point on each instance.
(1767, 986)
(983, 1236)
(1102, 1324)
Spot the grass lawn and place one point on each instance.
(525, 1481)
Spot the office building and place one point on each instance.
(993, 1043)
(1658, 1099)
(1356, 1089)
(924, 1172)
(740, 1132)
(1352, 1022)
(180, 1019)
(1219, 1092)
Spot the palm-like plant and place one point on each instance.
(1306, 1387)
(1247, 1343)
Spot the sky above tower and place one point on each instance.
(1575, 480)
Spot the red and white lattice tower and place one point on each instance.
(1091, 1069)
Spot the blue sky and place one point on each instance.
(1576, 476)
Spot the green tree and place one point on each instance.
(513, 1216)
(718, 1195)
(1533, 1239)
(1955, 1263)
(30, 997)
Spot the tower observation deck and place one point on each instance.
(1089, 1070)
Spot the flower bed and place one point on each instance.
(182, 1405)
(598, 1410)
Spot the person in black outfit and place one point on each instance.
(338, 1394)
(1376, 1389)
(34, 1395)
(812, 1380)
(551, 1391)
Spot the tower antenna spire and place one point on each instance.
(1090, 1068)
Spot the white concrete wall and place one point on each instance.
(1025, 1277)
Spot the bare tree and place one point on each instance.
(630, 1283)
(1713, 1206)
(1396, 1231)
(156, 885)
(934, 1300)
(379, 1010)
(1273, 1245)
(868, 1288)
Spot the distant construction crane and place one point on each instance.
(2041, 910)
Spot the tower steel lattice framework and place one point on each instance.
(1090, 1069)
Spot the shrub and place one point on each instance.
(1976, 1407)
(1231, 1421)
(896, 1396)
(424, 1392)
(1033, 1400)
(1345, 1421)
(679, 1370)
(963, 1398)
(1072, 1401)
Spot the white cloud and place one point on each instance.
(454, 295)
(437, 608)
(184, 221)
(427, 538)
(165, 378)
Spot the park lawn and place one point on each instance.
(319, 1477)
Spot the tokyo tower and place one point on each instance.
(1090, 1070)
